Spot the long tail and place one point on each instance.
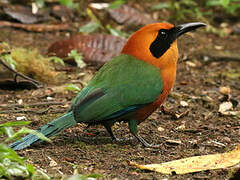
(48, 130)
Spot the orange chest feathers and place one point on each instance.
(167, 65)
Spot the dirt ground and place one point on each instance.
(201, 131)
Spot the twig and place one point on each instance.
(39, 112)
(36, 27)
(35, 82)
(32, 105)
(221, 56)
(25, 111)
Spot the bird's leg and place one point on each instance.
(109, 130)
(132, 124)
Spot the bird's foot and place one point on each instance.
(145, 143)
(122, 140)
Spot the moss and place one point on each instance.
(33, 64)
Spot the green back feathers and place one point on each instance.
(122, 82)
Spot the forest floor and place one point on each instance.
(200, 129)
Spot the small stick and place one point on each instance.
(25, 111)
(36, 27)
(31, 105)
(39, 112)
(35, 82)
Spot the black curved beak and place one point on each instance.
(183, 28)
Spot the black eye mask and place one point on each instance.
(163, 41)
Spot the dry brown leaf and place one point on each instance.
(24, 14)
(195, 164)
(128, 15)
(97, 48)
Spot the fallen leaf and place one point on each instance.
(128, 15)
(225, 90)
(225, 106)
(97, 48)
(62, 12)
(194, 164)
(24, 14)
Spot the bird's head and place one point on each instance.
(156, 43)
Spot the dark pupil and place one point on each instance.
(162, 34)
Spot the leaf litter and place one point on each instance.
(124, 14)
(95, 48)
(115, 168)
(195, 164)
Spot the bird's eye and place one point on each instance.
(163, 34)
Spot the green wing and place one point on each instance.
(121, 83)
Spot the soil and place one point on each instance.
(203, 130)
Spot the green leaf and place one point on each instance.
(25, 130)
(68, 3)
(116, 32)
(72, 87)
(78, 58)
(94, 175)
(38, 174)
(7, 152)
(94, 18)
(89, 27)
(9, 60)
(15, 123)
(116, 4)
(161, 5)
(225, 3)
(40, 3)
(11, 164)
(30, 169)
(213, 3)
(8, 131)
(57, 60)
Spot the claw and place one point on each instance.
(145, 143)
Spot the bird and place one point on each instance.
(128, 88)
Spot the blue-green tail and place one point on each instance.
(48, 130)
